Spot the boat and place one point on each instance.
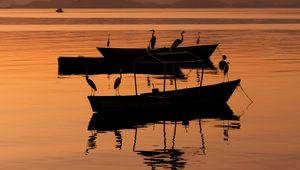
(59, 10)
(98, 65)
(189, 98)
(129, 55)
(178, 99)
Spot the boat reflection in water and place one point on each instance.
(167, 157)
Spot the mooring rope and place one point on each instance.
(245, 93)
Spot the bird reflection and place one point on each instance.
(118, 139)
(91, 142)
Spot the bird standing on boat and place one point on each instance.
(177, 42)
(152, 40)
(224, 65)
(198, 38)
(90, 82)
(108, 40)
(117, 83)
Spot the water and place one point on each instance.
(44, 116)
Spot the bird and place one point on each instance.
(177, 42)
(108, 40)
(152, 40)
(118, 82)
(226, 69)
(223, 62)
(198, 38)
(91, 83)
(148, 81)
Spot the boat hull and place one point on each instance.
(129, 55)
(182, 99)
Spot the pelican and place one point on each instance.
(198, 39)
(118, 82)
(152, 40)
(91, 84)
(177, 42)
(108, 40)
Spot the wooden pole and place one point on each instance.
(164, 78)
(201, 76)
(174, 74)
(135, 84)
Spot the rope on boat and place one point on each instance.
(245, 93)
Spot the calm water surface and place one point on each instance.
(44, 116)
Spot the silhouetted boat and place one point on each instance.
(194, 97)
(211, 95)
(98, 65)
(129, 55)
(59, 10)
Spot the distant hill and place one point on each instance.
(83, 4)
(236, 3)
(155, 4)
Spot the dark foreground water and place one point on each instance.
(45, 116)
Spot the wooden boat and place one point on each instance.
(59, 10)
(129, 55)
(211, 95)
(178, 99)
(98, 65)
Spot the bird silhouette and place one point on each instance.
(152, 40)
(118, 82)
(226, 69)
(108, 40)
(198, 38)
(223, 62)
(177, 42)
(91, 83)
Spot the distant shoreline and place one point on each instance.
(150, 7)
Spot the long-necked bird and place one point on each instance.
(177, 42)
(91, 84)
(152, 40)
(118, 82)
(198, 38)
(108, 40)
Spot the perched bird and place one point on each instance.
(108, 40)
(226, 68)
(148, 81)
(224, 65)
(223, 62)
(177, 42)
(152, 40)
(198, 38)
(91, 84)
(118, 82)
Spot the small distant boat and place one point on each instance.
(59, 10)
